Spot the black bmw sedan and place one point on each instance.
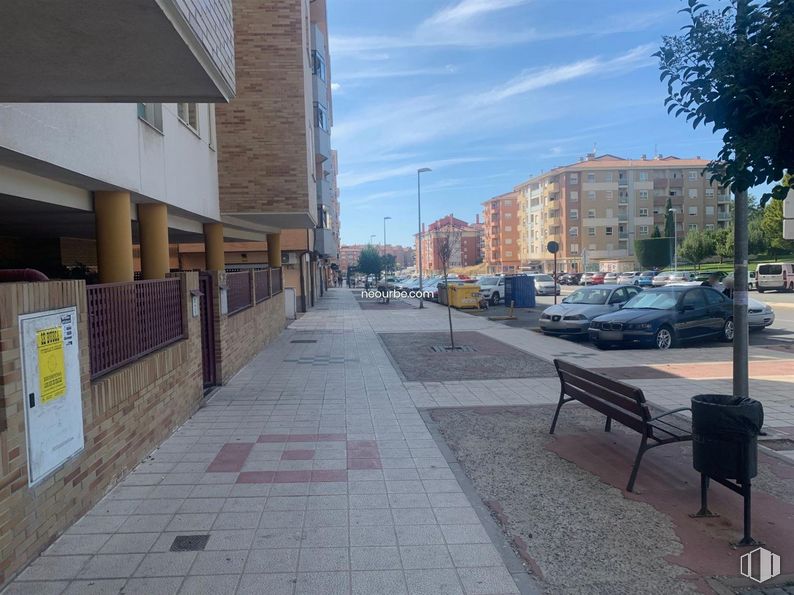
(665, 317)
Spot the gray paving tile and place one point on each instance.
(277, 538)
(456, 516)
(370, 516)
(465, 534)
(326, 518)
(153, 586)
(237, 520)
(111, 566)
(96, 587)
(47, 568)
(159, 506)
(379, 582)
(220, 562)
(408, 501)
(203, 585)
(474, 554)
(194, 505)
(375, 558)
(271, 584)
(254, 504)
(272, 560)
(129, 543)
(373, 535)
(77, 544)
(36, 588)
(327, 583)
(419, 535)
(151, 523)
(324, 559)
(97, 524)
(191, 522)
(487, 581)
(433, 582)
(425, 556)
(166, 564)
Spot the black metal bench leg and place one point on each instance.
(557, 412)
(608, 425)
(636, 468)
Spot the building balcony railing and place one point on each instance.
(724, 198)
(723, 216)
(623, 201)
(623, 217)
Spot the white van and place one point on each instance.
(775, 275)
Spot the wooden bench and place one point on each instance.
(623, 403)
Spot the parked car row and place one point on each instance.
(660, 317)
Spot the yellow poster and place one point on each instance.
(52, 368)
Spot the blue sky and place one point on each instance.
(489, 93)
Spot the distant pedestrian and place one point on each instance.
(714, 282)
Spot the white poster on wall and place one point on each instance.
(51, 389)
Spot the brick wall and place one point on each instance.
(265, 150)
(126, 415)
(239, 337)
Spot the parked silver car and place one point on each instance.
(572, 317)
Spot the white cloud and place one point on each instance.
(466, 10)
(335, 86)
(350, 180)
(382, 74)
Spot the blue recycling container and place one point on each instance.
(520, 289)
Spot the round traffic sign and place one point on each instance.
(553, 247)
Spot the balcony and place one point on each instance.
(322, 144)
(623, 216)
(723, 216)
(623, 201)
(325, 243)
(147, 50)
(324, 196)
(724, 198)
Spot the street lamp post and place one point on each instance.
(384, 248)
(372, 236)
(675, 241)
(419, 173)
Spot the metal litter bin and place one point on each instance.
(725, 447)
(443, 293)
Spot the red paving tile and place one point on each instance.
(329, 475)
(231, 457)
(668, 482)
(364, 464)
(362, 452)
(362, 444)
(292, 477)
(693, 371)
(273, 438)
(256, 477)
(297, 455)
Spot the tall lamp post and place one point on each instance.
(372, 236)
(419, 173)
(675, 241)
(385, 272)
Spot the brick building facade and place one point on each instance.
(464, 239)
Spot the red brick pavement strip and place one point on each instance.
(231, 457)
(779, 367)
(668, 482)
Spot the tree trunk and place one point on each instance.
(449, 309)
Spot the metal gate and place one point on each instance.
(207, 329)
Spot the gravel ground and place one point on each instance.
(582, 534)
(412, 354)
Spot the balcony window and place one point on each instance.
(574, 196)
(693, 211)
(710, 211)
(574, 248)
(573, 178)
(188, 115)
(610, 195)
(693, 227)
(709, 192)
(643, 230)
(152, 114)
(573, 213)
(692, 174)
(608, 231)
(591, 195)
(321, 117)
(319, 65)
(693, 193)
(591, 177)
(574, 231)
(643, 212)
(643, 195)
(591, 232)
(643, 176)
(591, 213)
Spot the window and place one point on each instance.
(508, 215)
(591, 247)
(608, 176)
(693, 211)
(591, 213)
(643, 212)
(713, 297)
(321, 117)
(508, 203)
(574, 248)
(709, 210)
(643, 195)
(573, 178)
(643, 230)
(610, 195)
(152, 114)
(508, 254)
(643, 176)
(573, 213)
(673, 193)
(709, 227)
(188, 114)
(591, 177)
(619, 296)
(591, 195)
(609, 214)
(574, 231)
(608, 231)
(709, 192)
(574, 196)
(693, 227)
(692, 174)
(319, 65)
(693, 193)
(508, 228)
(591, 232)
(694, 298)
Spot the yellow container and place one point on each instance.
(464, 296)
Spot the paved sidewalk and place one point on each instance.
(312, 471)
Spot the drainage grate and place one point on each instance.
(778, 444)
(304, 341)
(448, 349)
(189, 543)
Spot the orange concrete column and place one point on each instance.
(274, 249)
(153, 235)
(213, 247)
(113, 236)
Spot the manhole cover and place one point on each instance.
(189, 543)
(304, 341)
(449, 349)
(778, 444)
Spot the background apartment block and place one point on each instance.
(501, 233)
(596, 208)
(464, 239)
(403, 255)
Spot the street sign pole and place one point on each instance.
(554, 247)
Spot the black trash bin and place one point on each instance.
(724, 436)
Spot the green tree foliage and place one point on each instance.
(731, 69)
(389, 262)
(653, 253)
(369, 261)
(771, 225)
(697, 247)
(723, 242)
(669, 220)
(656, 232)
